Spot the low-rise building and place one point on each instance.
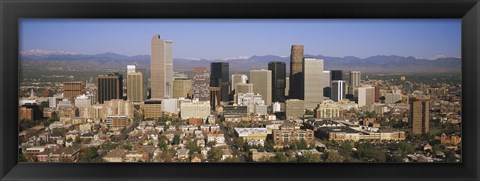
(195, 109)
(115, 155)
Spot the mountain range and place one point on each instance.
(40, 59)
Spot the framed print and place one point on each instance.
(152, 90)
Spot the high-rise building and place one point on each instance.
(243, 88)
(131, 68)
(238, 78)
(219, 77)
(336, 75)
(419, 114)
(294, 108)
(327, 81)
(135, 87)
(109, 87)
(83, 101)
(313, 82)
(377, 93)
(296, 74)
(161, 65)
(182, 87)
(338, 90)
(278, 80)
(287, 86)
(73, 89)
(201, 82)
(262, 84)
(366, 96)
(354, 81)
(392, 98)
(152, 108)
(250, 100)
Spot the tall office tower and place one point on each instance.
(73, 89)
(145, 78)
(287, 86)
(366, 96)
(201, 82)
(336, 75)
(278, 80)
(182, 87)
(312, 82)
(338, 90)
(294, 108)
(243, 88)
(219, 77)
(377, 93)
(238, 78)
(296, 74)
(262, 84)
(109, 87)
(326, 83)
(131, 68)
(354, 82)
(135, 87)
(161, 65)
(419, 114)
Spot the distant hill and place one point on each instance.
(38, 59)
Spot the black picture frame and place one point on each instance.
(12, 10)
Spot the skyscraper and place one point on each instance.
(182, 88)
(312, 82)
(354, 82)
(327, 81)
(73, 89)
(109, 87)
(201, 82)
(243, 88)
(366, 96)
(336, 75)
(262, 84)
(219, 77)
(135, 86)
(278, 80)
(238, 78)
(338, 90)
(419, 114)
(296, 74)
(161, 67)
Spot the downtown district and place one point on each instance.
(212, 115)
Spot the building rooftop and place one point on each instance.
(246, 131)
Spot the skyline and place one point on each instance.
(361, 38)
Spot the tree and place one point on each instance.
(214, 155)
(239, 142)
(232, 159)
(193, 147)
(450, 157)
(162, 143)
(269, 145)
(346, 149)
(26, 124)
(368, 151)
(176, 139)
(308, 157)
(88, 154)
(334, 157)
(279, 157)
(308, 112)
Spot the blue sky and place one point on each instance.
(219, 39)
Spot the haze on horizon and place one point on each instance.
(224, 39)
